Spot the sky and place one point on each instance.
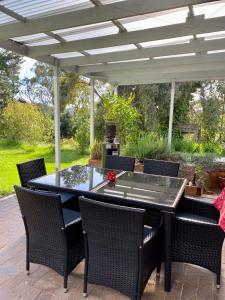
(26, 66)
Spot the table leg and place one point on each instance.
(168, 220)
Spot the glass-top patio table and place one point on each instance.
(131, 189)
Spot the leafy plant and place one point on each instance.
(146, 146)
(121, 110)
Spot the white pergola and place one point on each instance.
(123, 42)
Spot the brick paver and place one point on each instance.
(188, 282)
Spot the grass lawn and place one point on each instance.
(10, 154)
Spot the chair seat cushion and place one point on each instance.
(67, 197)
(70, 216)
(185, 216)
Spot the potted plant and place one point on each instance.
(197, 185)
(96, 154)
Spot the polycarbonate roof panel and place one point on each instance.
(167, 42)
(89, 31)
(68, 55)
(175, 55)
(210, 10)
(155, 20)
(4, 19)
(111, 49)
(212, 35)
(27, 39)
(37, 8)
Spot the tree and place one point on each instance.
(121, 110)
(25, 122)
(39, 88)
(10, 65)
(153, 102)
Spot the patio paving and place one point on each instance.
(188, 282)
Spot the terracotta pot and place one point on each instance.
(193, 190)
(139, 167)
(95, 163)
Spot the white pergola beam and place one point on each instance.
(194, 46)
(196, 25)
(162, 78)
(92, 15)
(154, 63)
(11, 45)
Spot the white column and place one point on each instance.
(115, 90)
(170, 131)
(57, 117)
(92, 125)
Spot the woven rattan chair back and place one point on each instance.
(161, 167)
(113, 237)
(43, 218)
(30, 170)
(123, 163)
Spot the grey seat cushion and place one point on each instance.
(70, 216)
(185, 216)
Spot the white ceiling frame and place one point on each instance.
(154, 63)
(194, 46)
(178, 77)
(196, 25)
(91, 16)
(16, 47)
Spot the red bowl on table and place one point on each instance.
(111, 176)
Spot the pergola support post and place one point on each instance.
(170, 130)
(57, 116)
(115, 90)
(92, 125)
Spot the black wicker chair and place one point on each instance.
(54, 235)
(36, 168)
(161, 167)
(123, 163)
(120, 252)
(198, 239)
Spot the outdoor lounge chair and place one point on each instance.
(198, 239)
(36, 168)
(123, 163)
(53, 235)
(161, 167)
(120, 252)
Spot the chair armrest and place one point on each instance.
(198, 207)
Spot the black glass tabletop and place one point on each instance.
(156, 189)
(133, 188)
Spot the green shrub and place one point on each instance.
(146, 146)
(22, 122)
(96, 150)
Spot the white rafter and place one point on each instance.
(104, 13)
(196, 25)
(194, 46)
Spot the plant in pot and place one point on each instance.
(96, 154)
(197, 185)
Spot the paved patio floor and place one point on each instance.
(188, 282)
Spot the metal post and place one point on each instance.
(115, 90)
(92, 134)
(170, 131)
(57, 117)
